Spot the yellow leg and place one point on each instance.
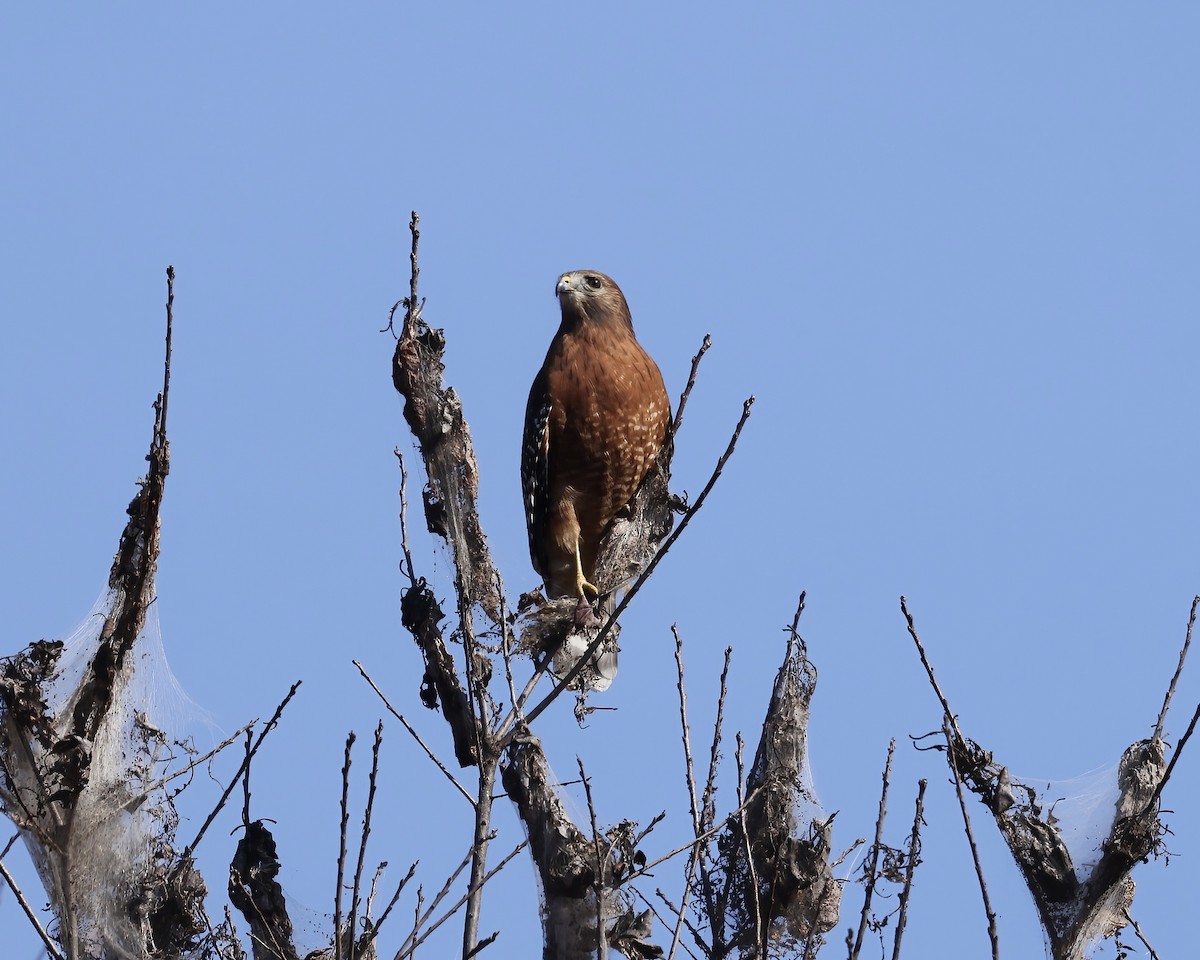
(581, 583)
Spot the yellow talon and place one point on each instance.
(582, 587)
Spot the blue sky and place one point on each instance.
(950, 249)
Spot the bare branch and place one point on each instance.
(242, 770)
(406, 567)
(691, 382)
(341, 863)
(598, 882)
(876, 848)
(419, 918)
(754, 881)
(1149, 808)
(479, 849)
(708, 797)
(51, 948)
(914, 855)
(1187, 642)
(395, 896)
(993, 935)
(408, 726)
(409, 948)
(692, 844)
(661, 919)
(372, 780)
(681, 916)
(1137, 927)
(912, 632)
(689, 767)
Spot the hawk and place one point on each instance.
(596, 422)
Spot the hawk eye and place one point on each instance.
(594, 282)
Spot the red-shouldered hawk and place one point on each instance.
(597, 419)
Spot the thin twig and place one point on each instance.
(506, 649)
(407, 726)
(485, 942)
(586, 658)
(876, 847)
(270, 725)
(689, 767)
(341, 863)
(372, 780)
(741, 793)
(1138, 930)
(134, 801)
(246, 786)
(413, 310)
(598, 883)
(395, 896)
(914, 854)
(162, 412)
(707, 805)
(993, 934)
(1174, 759)
(661, 919)
(1187, 642)
(680, 915)
(717, 828)
(658, 818)
(479, 849)
(406, 567)
(407, 949)
(794, 630)
(912, 632)
(51, 949)
(420, 916)
(691, 382)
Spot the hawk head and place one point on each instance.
(589, 295)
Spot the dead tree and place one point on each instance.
(1078, 903)
(84, 774)
(773, 871)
